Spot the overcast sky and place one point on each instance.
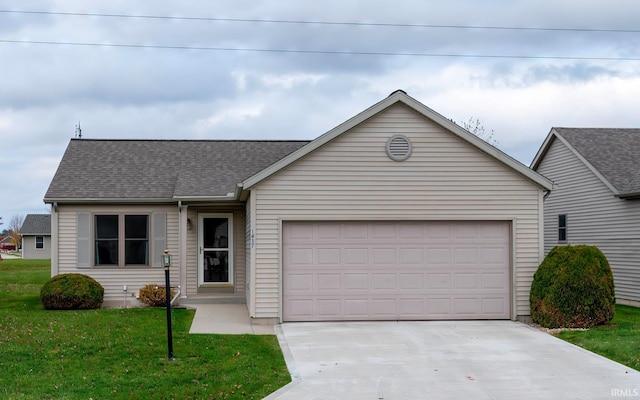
(249, 69)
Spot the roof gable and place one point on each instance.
(401, 97)
(612, 154)
(36, 224)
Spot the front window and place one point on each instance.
(39, 242)
(117, 235)
(562, 228)
(136, 239)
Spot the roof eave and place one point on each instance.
(118, 200)
(629, 195)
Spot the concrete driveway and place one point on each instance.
(443, 360)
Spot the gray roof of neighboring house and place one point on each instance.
(613, 152)
(160, 169)
(36, 224)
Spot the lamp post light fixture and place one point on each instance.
(166, 263)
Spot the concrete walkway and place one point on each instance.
(228, 319)
(485, 360)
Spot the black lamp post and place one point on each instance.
(166, 262)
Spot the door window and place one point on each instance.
(216, 250)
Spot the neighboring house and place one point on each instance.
(596, 197)
(397, 213)
(36, 236)
(6, 243)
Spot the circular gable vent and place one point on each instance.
(398, 148)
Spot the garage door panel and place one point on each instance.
(326, 282)
(493, 306)
(383, 307)
(301, 309)
(355, 282)
(300, 282)
(438, 281)
(494, 255)
(328, 308)
(465, 255)
(411, 308)
(299, 257)
(395, 270)
(328, 256)
(356, 256)
(466, 307)
(495, 280)
(438, 256)
(438, 307)
(356, 308)
(411, 281)
(411, 256)
(464, 282)
(384, 256)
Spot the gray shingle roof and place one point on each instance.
(36, 224)
(160, 169)
(614, 152)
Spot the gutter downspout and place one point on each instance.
(175, 296)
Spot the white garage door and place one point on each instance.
(396, 270)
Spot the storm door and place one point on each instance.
(215, 249)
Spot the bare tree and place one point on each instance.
(15, 223)
(475, 126)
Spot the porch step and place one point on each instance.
(211, 298)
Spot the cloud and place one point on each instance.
(187, 94)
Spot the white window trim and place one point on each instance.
(35, 242)
(230, 247)
(565, 228)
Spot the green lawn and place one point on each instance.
(120, 353)
(618, 340)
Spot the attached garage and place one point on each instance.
(396, 214)
(410, 270)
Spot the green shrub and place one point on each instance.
(154, 295)
(71, 292)
(573, 288)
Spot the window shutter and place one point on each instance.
(83, 240)
(159, 237)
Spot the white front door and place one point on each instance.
(215, 249)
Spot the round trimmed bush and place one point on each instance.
(71, 292)
(573, 288)
(154, 295)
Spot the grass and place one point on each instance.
(619, 340)
(120, 353)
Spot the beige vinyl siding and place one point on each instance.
(29, 250)
(113, 279)
(594, 216)
(192, 254)
(351, 178)
(239, 248)
(247, 257)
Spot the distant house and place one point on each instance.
(6, 243)
(36, 236)
(596, 197)
(397, 213)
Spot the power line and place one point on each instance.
(321, 22)
(325, 52)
